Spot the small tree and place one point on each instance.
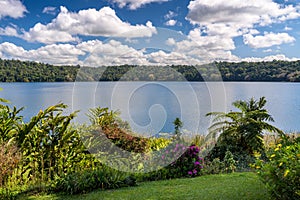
(177, 125)
(229, 162)
(242, 131)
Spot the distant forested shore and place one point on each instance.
(29, 71)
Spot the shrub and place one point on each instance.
(88, 180)
(117, 130)
(214, 167)
(6, 194)
(189, 164)
(126, 141)
(281, 171)
(157, 144)
(243, 159)
(50, 147)
(9, 159)
(229, 162)
(217, 166)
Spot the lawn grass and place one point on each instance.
(223, 186)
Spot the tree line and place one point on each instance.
(29, 71)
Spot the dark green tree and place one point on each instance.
(243, 130)
(177, 125)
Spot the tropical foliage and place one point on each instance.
(51, 154)
(241, 132)
(281, 170)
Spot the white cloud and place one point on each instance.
(286, 28)
(218, 22)
(91, 22)
(170, 42)
(9, 31)
(253, 31)
(134, 4)
(239, 14)
(170, 15)
(55, 53)
(44, 34)
(111, 53)
(269, 58)
(267, 40)
(235, 17)
(267, 50)
(12, 8)
(50, 10)
(171, 22)
(94, 52)
(221, 30)
(174, 58)
(210, 42)
(132, 41)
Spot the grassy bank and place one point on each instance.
(222, 186)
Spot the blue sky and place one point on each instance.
(149, 32)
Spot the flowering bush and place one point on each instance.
(281, 172)
(189, 164)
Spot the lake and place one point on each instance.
(151, 107)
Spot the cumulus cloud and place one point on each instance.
(44, 34)
(134, 4)
(171, 22)
(54, 54)
(170, 42)
(239, 14)
(170, 19)
(94, 52)
(235, 17)
(97, 53)
(111, 53)
(91, 22)
(209, 42)
(218, 22)
(9, 31)
(12, 8)
(267, 40)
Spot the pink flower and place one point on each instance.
(197, 163)
(190, 173)
(195, 171)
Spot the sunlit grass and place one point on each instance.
(223, 186)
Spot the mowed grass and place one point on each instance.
(223, 186)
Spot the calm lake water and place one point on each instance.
(150, 107)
